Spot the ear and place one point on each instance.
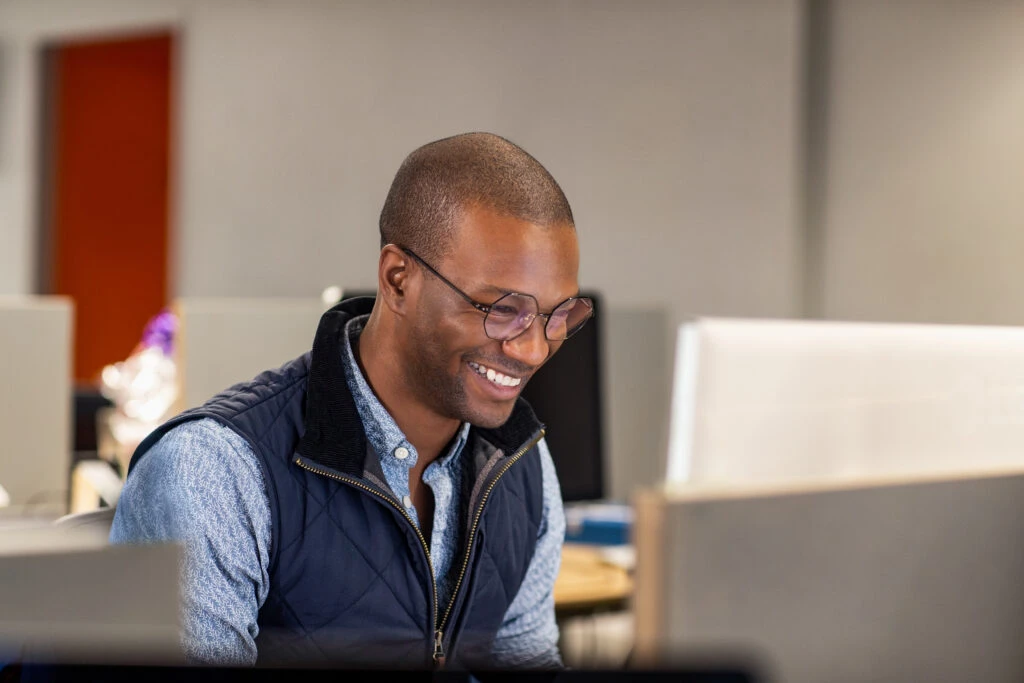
(393, 279)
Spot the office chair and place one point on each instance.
(94, 521)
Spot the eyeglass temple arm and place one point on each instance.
(483, 308)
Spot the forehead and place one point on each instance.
(493, 253)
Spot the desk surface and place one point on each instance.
(587, 582)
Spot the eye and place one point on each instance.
(504, 311)
(560, 315)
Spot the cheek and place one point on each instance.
(452, 337)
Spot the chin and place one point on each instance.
(489, 419)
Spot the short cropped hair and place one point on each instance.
(437, 181)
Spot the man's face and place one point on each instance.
(448, 351)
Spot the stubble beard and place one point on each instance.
(447, 394)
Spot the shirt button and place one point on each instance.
(407, 501)
(401, 452)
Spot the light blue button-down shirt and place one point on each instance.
(202, 484)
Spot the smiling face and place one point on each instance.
(451, 365)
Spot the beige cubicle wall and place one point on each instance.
(223, 341)
(35, 403)
(906, 579)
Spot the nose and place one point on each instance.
(531, 347)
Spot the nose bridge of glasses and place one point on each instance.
(530, 345)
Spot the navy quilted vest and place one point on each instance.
(350, 579)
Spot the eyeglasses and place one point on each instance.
(513, 313)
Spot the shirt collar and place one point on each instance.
(382, 432)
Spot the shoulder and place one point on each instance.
(196, 449)
(198, 467)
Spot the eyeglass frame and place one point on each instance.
(486, 308)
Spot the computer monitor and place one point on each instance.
(892, 581)
(783, 400)
(566, 395)
(36, 340)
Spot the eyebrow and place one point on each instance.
(499, 290)
(502, 291)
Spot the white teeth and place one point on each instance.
(495, 376)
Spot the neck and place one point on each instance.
(377, 357)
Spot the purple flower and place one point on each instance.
(160, 331)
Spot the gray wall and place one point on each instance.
(924, 204)
(675, 128)
(672, 126)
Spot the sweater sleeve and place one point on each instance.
(528, 637)
(201, 485)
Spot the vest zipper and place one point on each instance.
(472, 532)
(438, 649)
(439, 653)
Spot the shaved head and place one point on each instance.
(438, 181)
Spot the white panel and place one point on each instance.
(786, 400)
(35, 400)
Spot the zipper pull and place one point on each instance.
(438, 650)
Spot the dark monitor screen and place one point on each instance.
(566, 395)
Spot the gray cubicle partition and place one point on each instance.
(637, 378)
(68, 596)
(223, 341)
(35, 403)
(888, 582)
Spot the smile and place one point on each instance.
(493, 375)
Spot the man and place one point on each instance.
(388, 499)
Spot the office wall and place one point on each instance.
(923, 209)
(672, 126)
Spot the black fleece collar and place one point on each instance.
(334, 435)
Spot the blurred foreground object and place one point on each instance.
(68, 596)
(891, 580)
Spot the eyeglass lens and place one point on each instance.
(512, 314)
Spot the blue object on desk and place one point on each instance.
(598, 524)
